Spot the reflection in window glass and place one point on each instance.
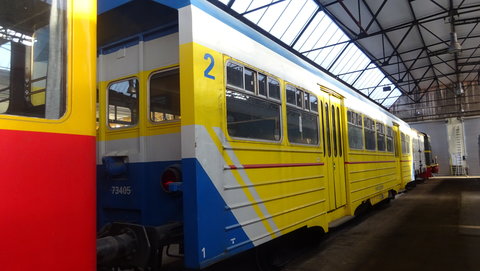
(251, 117)
(262, 84)
(32, 58)
(123, 103)
(302, 127)
(249, 80)
(313, 103)
(307, 101)
(299, 97)
(234, 74)
(165, 96)
(273, 89)
(290, 95)
(369, 130)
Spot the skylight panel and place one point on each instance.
(299, 21)
(378, 92)
(302, 25)
(370, 78)
(272, 15)
(311, 30)
(392, 98)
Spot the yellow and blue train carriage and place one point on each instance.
(213, 136)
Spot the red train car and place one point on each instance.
(47, 134)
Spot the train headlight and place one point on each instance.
(171, 179)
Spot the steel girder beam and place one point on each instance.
(354, 35)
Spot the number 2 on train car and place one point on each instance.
(207, 71)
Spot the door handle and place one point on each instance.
(334, 165)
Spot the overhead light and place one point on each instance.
(455, 46)
(459, 89)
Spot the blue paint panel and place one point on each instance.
(258, 37)
(206, 215)
(174, 3)
(106, 5)
(137, 197)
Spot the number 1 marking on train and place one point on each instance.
(207, 71)
(203, 252)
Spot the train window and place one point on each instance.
(334, 130)
(402, 141)
(340, 139)
(313, 103)
(290, 95)
(33, 59)
(273, 89)
(164, 91)
(389, 139)
(327, 125)
(251, 117)
(262, 85)
(234, 75)
(299, 97)
(380, 137)
(407, 144)
(249, 80)
(369, 132)
(323, 130)
(355, 135)
(123, 103)
(307, 101)
(302, 125)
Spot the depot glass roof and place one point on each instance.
(304, 26)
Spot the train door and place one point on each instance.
(334, 150)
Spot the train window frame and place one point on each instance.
(408, 144)
(50, 102)
(380, 131)
(303, 118)
(313, 100)
(328, 131)
(340, 134)
(389, 135)
(255, 95)
(355, 123)
(289, 91)
(107, 94)
(369, 128)
(322, 126)
(149, 112)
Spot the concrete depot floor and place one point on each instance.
(435, 226)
